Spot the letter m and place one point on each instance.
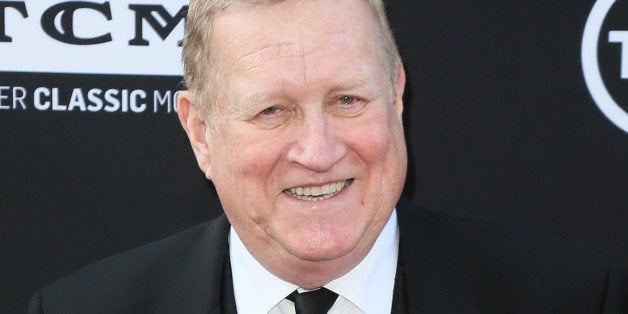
(145, 13)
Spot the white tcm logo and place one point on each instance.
(590, 62)
(111, 37)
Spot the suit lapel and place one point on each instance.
(228, 304)
(431, 283)
(197, 285)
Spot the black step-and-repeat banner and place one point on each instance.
(516, 110)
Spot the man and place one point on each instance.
(294, 113)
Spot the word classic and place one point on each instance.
(19, 98)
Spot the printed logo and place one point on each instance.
(110, 37)
(605, 59)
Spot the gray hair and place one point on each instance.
(197, 48)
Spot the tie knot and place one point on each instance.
(313, 302)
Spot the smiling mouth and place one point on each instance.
(318, 193)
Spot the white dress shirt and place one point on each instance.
(367, 288)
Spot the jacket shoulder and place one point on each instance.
(507, 266)
(129, 282)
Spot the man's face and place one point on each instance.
(307, 155)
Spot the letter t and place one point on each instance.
(621, 37)
(20, 7)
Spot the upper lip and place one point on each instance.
(316, 184)
(319, 192)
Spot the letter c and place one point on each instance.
(66, 33)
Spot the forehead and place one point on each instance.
(294, 17)
(244, 37)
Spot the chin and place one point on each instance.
(323, 247)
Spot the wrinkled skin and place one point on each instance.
(305, 101)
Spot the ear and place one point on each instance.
(399, 89)
(195, 128)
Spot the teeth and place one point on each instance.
(318, 193)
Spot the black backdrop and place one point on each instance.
(498, 118)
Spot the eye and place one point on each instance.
(272, 117)
(270, 111)
(348, 106)
(347, 100)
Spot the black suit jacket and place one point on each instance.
(450, 264)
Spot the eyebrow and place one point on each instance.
(244, 105)
(356, 83)
(255, 98)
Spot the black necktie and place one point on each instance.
(313, 302)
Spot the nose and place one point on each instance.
(318, 144)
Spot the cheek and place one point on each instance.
(245, 154)
(244, 172)
(243, 168)
(371, 140)
(380, 148)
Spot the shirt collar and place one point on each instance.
(369, 285)
(254, 287)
